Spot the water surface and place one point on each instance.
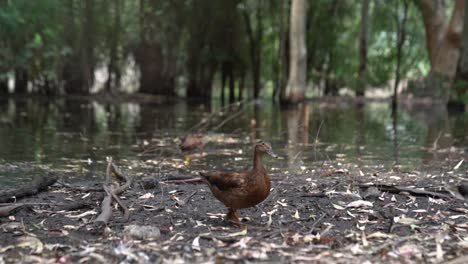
(72, 137)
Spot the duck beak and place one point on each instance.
(271, 153)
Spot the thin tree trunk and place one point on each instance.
(231, 84)
(21, 81)
(401, 37)
(223, 82)
(113, 78)
(282, 60)
(363, 39)
(241, 86)
(296, 87)
(3, 85)
(255, 40)
(87, 54)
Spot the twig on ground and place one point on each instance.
(412, 191)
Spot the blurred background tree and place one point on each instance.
(232, 49)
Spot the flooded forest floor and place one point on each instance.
(362, 189)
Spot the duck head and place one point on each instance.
(265, 147)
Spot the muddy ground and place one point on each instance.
(324, 215)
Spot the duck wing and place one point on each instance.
(225, 180)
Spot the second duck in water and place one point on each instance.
(243, 189)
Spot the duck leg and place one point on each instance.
(233, 217)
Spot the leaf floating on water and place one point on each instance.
(360, 203)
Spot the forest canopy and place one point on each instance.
(230, 49)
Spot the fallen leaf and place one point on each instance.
(360, 203)
(92, 212)
(380, 235)
(31, 242)
(458, 165)
(405, 220)
(196, 244)
(296, 215)
(146, 196)
(236, 234)
(338, 207)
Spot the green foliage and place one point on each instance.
(45, 37)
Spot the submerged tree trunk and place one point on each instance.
(296, 87)
(363, 38)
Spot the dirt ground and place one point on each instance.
(319, 216)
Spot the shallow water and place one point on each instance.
(71, 138)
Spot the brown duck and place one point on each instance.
(191, 142)
(244, 189)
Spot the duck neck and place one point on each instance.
(257, 162)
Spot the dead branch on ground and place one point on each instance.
(38, 185)
(112, 189)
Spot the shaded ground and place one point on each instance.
(317, 215)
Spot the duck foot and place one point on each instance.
(233, 218)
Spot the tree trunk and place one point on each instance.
(461, 84)
(463, 64)
(78, 71)
(282, 60)
(363, 38)
(4, 85)
(241, 86)
(255, 41)
(21, 81)
(223, 82)
(157, 72)
(443, 38)
(400, 40)
(296, 87)
(88, 50)
(72, 81)
(113, 69)
(231, 85)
